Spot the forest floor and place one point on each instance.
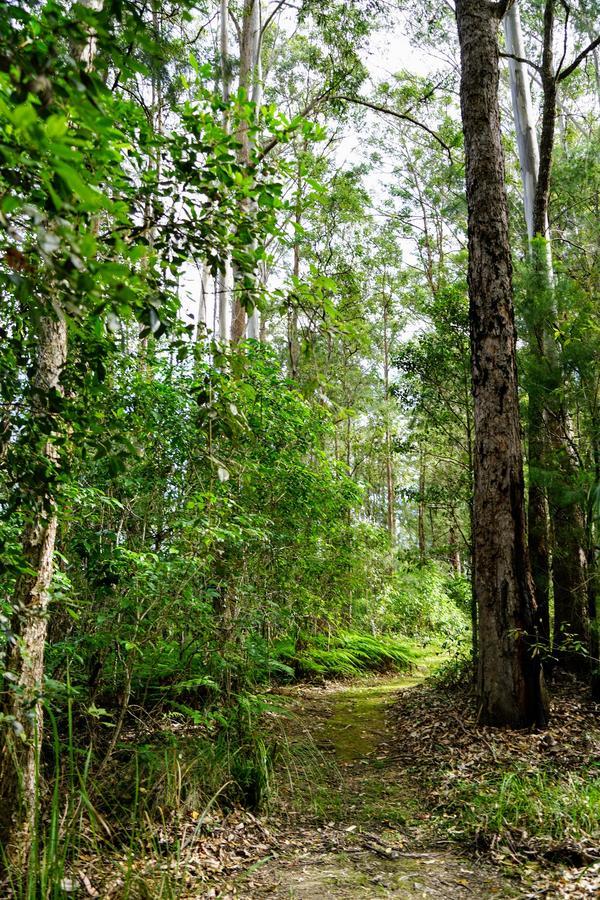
(368, 805)
(376, 838)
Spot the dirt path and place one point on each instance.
(353, 824)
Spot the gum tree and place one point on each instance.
(509, 675)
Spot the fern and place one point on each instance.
(348, 655)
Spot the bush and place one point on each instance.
(427, 602)
(457, 671)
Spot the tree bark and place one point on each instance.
(292, 312)
(549, 426)
(569, 559)
(421, 511)
(21, 696)
(537, 511)
(389, 458)
(569, 563)
(510, 680)
(529, 163)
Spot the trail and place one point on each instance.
(354, 824)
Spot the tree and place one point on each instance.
(509, 675)
(551, 456)
(19, 763)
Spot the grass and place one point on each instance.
(188, 763)
(133, 809)
(551, 806)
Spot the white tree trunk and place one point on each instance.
(225, 295)
(250, 81)
(253, 329)
(527, 142)
(224, 46)
(525, 126)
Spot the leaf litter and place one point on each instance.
(369, 840)
(440, 741)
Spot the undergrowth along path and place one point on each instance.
(353, 823)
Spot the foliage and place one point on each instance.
(457, 671)
(345, 655)
(234, 516)
(426, 601)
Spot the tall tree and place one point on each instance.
(509, 675)
(19, 760)
(529, 161)
(551, 455)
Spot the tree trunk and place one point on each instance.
(529, 162)
(201, 315)
(527, 143)
(250, 84)
(389, 458)
(292, 313)
(224, 283)
(548, 417)
(537, 511)
(421, 512)
(455, 560)
(569, 560)
(510, 680)
(21, 697)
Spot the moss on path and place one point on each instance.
(352, 824)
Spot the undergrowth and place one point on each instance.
(346, 655)
(457, 670)
(554, 808)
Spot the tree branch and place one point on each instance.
(397, 115)
(567, 9)
(236, 24)
(276, 139)
(271, 16)
(578, 59)
(520, 59)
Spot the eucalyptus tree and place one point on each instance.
(510, 679)
(328, 43)
(550, 429)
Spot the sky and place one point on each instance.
(388, 51)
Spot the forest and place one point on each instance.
(299, 449)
